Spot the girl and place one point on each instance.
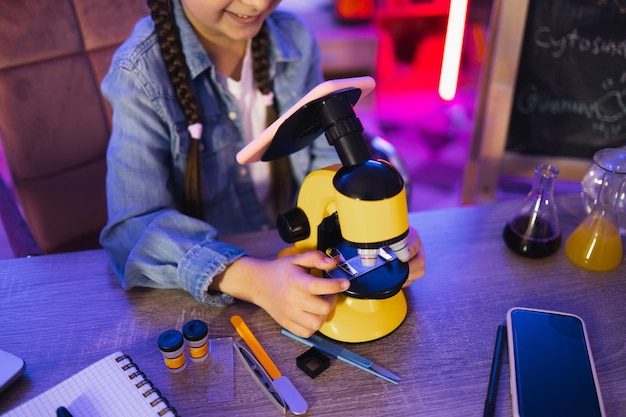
(188, 89)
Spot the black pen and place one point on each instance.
(496, 362)
(63, 412)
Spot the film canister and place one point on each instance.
(196, 334)
(173, 349)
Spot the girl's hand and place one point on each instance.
(284, 288)
(417, 260)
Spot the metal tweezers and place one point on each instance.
(261, 377)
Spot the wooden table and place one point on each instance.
(63, 312)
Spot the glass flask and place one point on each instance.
(611, 161)
(533, 230)
(596, 243)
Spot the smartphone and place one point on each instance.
(11, 368)
(551, 365)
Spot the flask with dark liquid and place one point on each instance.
(533, 230)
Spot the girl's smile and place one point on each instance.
(244, 20)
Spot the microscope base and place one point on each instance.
(357, 320)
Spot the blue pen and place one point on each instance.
(63, 412)
(345, 355)
(494, 376)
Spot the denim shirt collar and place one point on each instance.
(283, 48)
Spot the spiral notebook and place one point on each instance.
(112, 387)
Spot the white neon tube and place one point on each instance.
(453, 46)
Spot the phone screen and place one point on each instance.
(552, 367)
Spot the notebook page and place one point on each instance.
(103, 389)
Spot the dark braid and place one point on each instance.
(280, 169)
(172, 51)
(261, 61)
(261, 69)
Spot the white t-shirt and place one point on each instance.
(253, 110)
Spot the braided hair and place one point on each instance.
(178, 72)
(172, 51)
(280, 169)
(261, 69)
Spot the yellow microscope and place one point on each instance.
(355, 212)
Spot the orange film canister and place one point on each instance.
(196, 333)
(173, 349)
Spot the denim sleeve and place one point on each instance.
(150, 243)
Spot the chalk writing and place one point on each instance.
(558, 45)
(606, 112)
(530, 101)
(608, 130)
(570, 88)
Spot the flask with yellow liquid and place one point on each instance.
(596, 244)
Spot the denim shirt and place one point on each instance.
(150, 243)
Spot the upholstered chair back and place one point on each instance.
(54, 122)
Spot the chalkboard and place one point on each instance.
(552, 91)
(570, 91)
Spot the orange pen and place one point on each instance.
(256, 348)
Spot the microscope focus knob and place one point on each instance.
(293, 225)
